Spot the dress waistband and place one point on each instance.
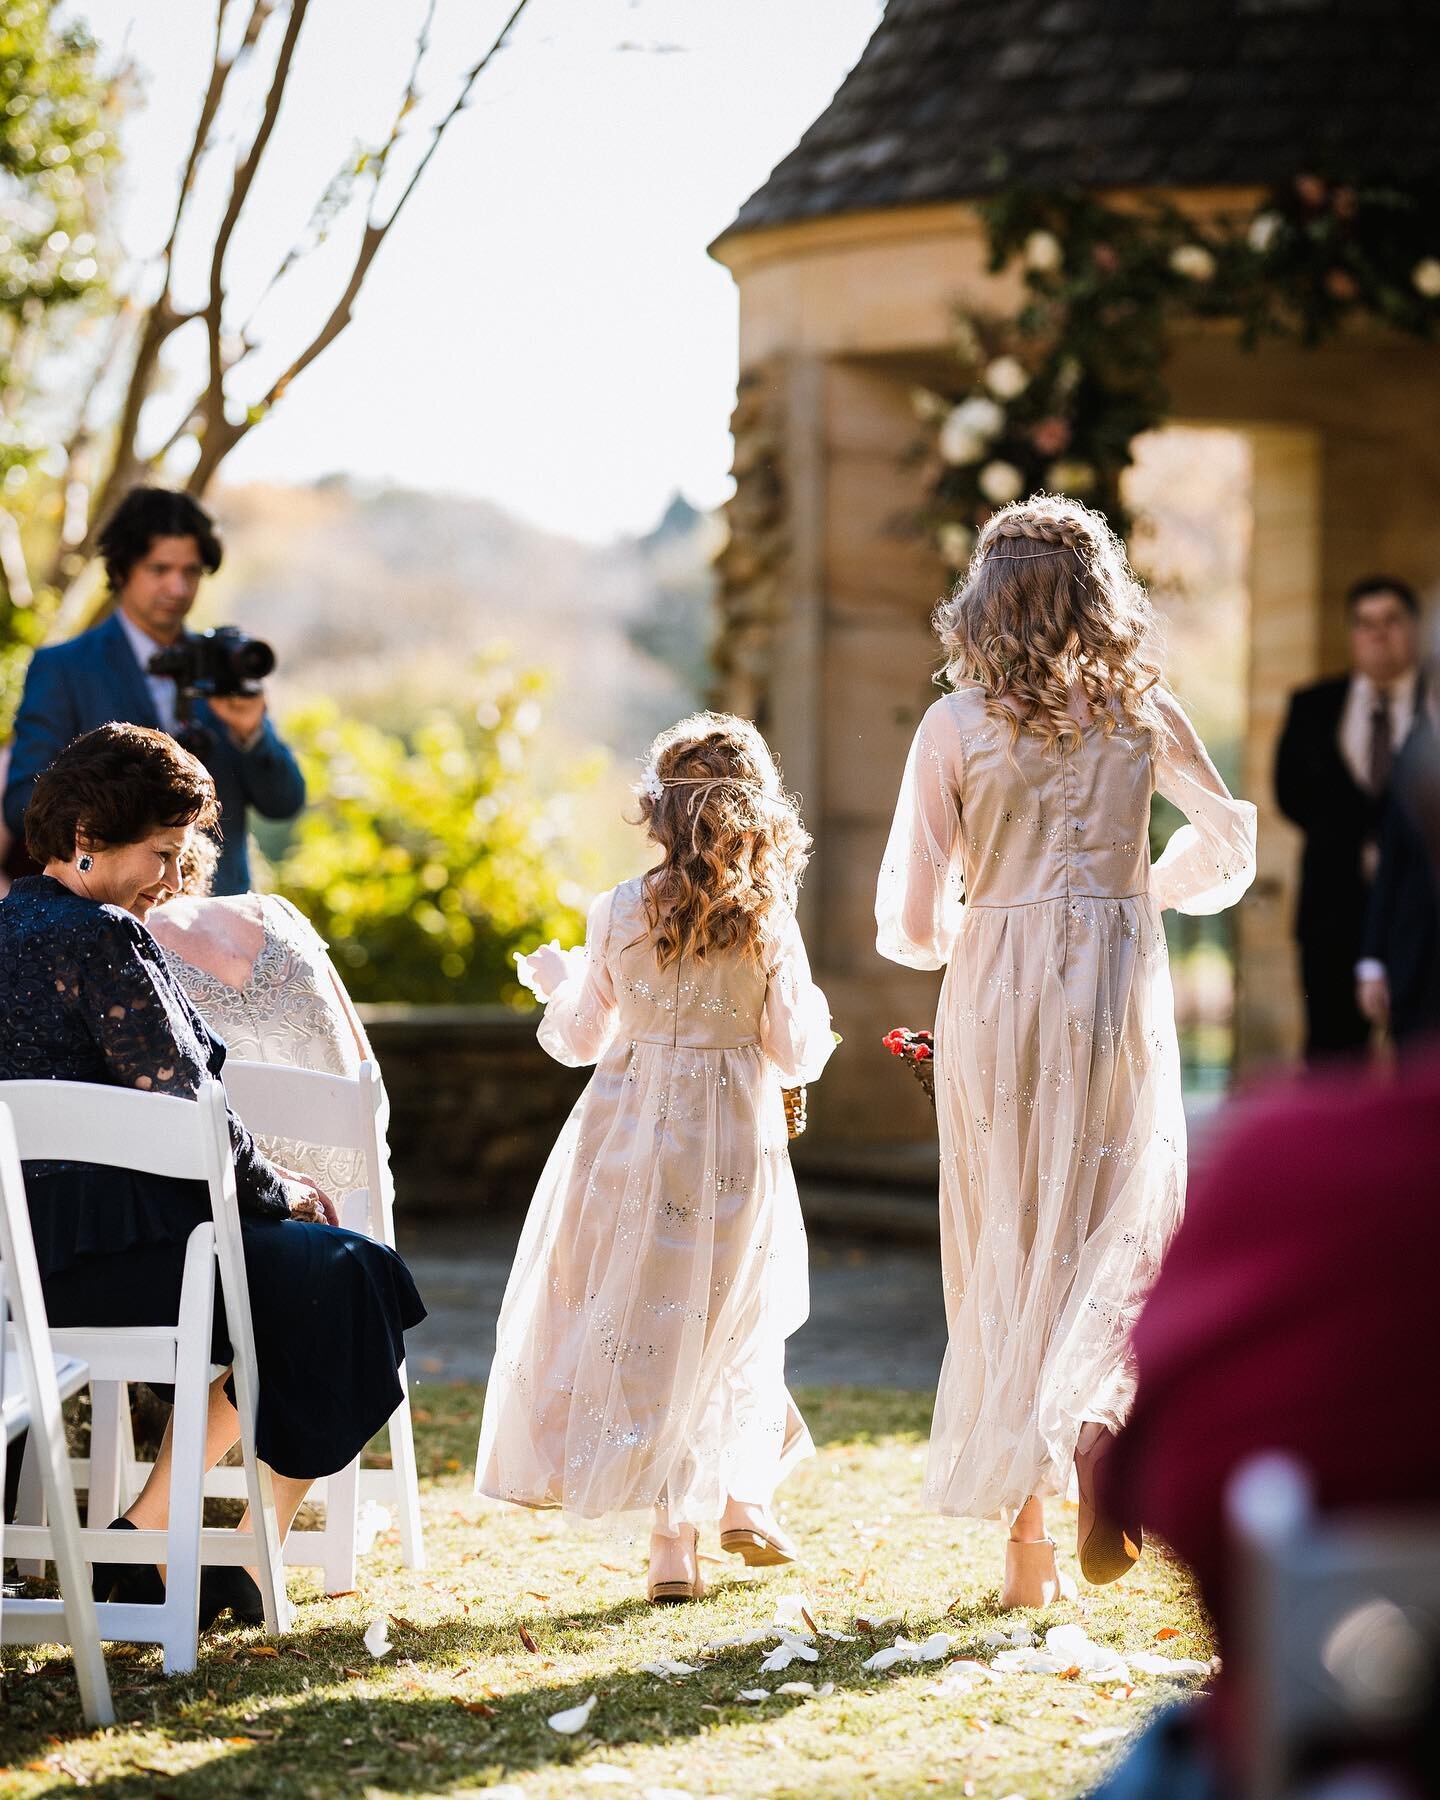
(749, 1043)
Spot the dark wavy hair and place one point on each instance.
(147, 513)
(115, 785)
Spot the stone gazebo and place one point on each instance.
(850, 261)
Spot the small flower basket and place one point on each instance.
(918, 1050)
(795, 1119)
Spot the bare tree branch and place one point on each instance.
(222, 435)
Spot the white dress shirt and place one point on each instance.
(162, 687)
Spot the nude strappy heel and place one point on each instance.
(671, 1592)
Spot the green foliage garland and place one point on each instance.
(1053, 397)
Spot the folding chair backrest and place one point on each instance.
(1326, 1600)
(125, 1128)
(340, 1111)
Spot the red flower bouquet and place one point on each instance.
(918, 1050)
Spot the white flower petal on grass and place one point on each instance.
(786, 1651)
(753, 1696)
(838, 1637)
(872, 1624)
(756, 1635)
(807, 1687)
(607, 1775)
(377, 1638)
(902, 1650)
(1149, 1663)
(573, 1719)
(935, 1648)
(1104, 1734)
(793, 1613)
(666, 1665)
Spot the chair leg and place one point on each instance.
(407, 1480)
(342, 1495)
(30, 1503)
(109, 1440)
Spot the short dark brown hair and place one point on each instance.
(115, 785)
(1370, 585)
(148, 513)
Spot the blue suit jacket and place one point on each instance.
(71, 688)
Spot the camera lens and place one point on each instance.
(253, 659)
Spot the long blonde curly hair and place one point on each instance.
(1049, 608)
(734, 847)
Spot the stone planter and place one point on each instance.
(475, 1103)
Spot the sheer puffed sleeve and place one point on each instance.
(1209, 863)
(580, 1014)
(151, 1038)
(795, 1024)
(921, 896)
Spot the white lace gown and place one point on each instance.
(639, 1357)
(292, 1009)
(1026, 874)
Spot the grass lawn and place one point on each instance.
(518, 1618)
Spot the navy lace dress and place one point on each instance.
(85, 995)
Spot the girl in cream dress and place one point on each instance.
(1019, 862)
(639, 1361)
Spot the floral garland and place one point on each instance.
(1053, 398)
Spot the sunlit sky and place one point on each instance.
(543, 326)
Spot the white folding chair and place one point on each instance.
(345, 1113)
(1339, 1623)
(33, 1381)
(187, 1140)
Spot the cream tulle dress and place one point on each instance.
(1027, 874)
(639, 1357)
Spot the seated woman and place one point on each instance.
(85, 995)
(259, 975)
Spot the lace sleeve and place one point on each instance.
(795, 1025)
(149, 1038)
(1209, 863)
(580, 1014)
(921, 895)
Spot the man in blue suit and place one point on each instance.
(157, 548)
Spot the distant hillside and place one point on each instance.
(383, 597)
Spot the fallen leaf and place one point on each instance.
(573, 1719)
(534, 1596)
(1166, 1631)
(528, 1641)
(477, 1707)
(260, 1650)
(353, 1674)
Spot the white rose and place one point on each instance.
(1426, 277)
(1043, 252)
(1071, 477)
(1001, 482)
(1263, 229)
(1193, 261)
(959, 444)
(1006, 377)
(981, 415)
(956, 542)
(928, 405)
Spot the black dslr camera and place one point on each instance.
(208, 665)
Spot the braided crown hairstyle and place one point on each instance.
(1049, 608)
(734, 847)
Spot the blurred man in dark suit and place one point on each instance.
(1332, 777)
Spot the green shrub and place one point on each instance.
(427, 860)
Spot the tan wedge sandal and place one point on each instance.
(1105, 1548)
(672, 1592)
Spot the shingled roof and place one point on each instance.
(953, 98)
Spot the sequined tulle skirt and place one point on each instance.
(640, 1350)
(1062, 1141)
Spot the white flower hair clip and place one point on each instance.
(650, 783)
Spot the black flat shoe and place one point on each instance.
(231, 1590)
(131, 1584)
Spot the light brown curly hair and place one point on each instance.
(1050, 609)
(734, 847)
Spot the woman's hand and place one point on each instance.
(543, 970)
(308, 1201)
